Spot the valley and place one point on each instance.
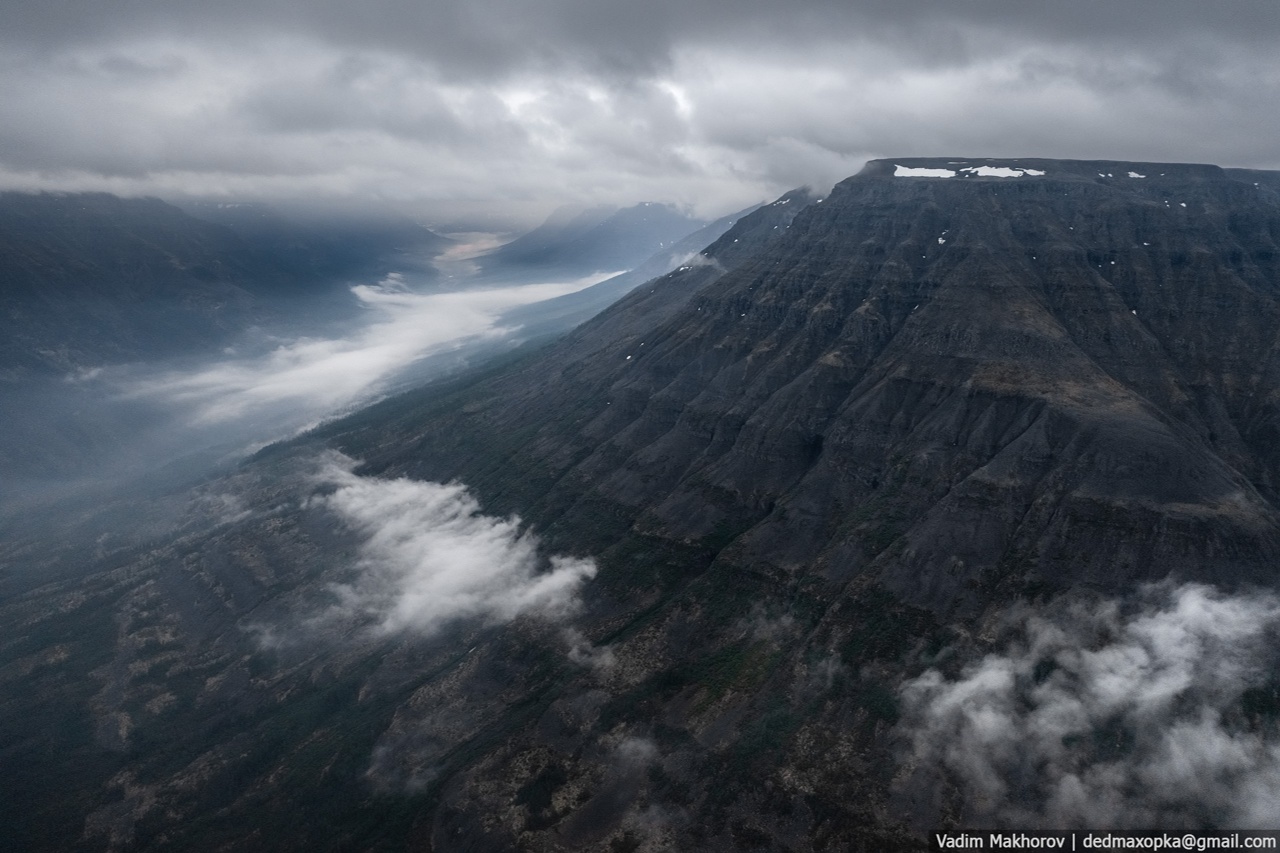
(842, 528)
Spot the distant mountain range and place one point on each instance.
(555, 316)
(828, 453)
(577, 243)
(323, 246)
(91, 281)
(91, 278)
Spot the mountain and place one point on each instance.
(827, 458)
(555, 316)
(91, 278)
(329, 246)
(538, 322)
(579, 243)
(1002, 367)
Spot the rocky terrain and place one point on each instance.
(553, 317)
(91, 278)
(988, 371)
(822, 458)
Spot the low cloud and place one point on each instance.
(696, 259)
(760, 626)
(637, 752)
(221, 508)
(1102, 716)
(309, 378)
(583, 653)
(430, 556)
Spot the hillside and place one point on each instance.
(779, 493)
(930, 380)
(91, 278)
(579, 243)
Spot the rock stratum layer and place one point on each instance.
(957, 385)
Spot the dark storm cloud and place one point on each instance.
(501, 34)
(451, 106)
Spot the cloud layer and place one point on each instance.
(1101, 717)
(311, 378)
(430, 556)
(510, 108)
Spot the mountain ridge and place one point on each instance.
(601, 239)
(93, 278)
(1091, 346)
(831, 456)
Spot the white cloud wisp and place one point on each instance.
(1097, 717)
(313, 378)
(430, 556)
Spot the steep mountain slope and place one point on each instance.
(951, 383)
(809, 466)
(591, 241)
(554, 316)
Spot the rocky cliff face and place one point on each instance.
(810, 464)
(963, 386)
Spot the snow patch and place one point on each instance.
(972, 171)
(909, 172)
(1000, 171)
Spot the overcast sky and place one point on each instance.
(515, 106)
